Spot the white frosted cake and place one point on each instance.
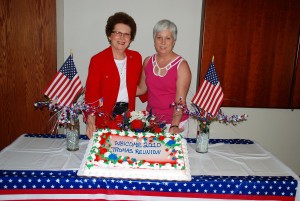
(136, 155)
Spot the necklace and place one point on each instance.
(162, 72)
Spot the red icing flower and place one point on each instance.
(103, 139)
(97, 158)
(137, 124)
(103, 150)
(161, 138)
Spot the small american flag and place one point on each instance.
(210, 95)
(66, 85)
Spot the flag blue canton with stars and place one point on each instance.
(69, 69)
(211, 75)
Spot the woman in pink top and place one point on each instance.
(166, 77)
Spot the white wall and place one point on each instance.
(81, 28)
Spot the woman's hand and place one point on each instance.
(90, 126)
(175, 130)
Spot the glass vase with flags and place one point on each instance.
(207, 102)
(63, 91)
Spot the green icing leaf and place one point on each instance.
(89, 165)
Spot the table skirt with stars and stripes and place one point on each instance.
(64, 184)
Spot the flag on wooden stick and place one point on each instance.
(65, 85)
(209, 96)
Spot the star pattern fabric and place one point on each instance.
(214, 185)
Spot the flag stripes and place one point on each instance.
(66, 85)
(209, 96)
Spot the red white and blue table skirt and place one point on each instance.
(38, 167)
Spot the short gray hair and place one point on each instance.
(164, 25)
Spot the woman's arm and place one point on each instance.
(90, 125)
(92, 95)
(142, 87)
(182, 87)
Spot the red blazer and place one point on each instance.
(103, 81)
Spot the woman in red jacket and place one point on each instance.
(114, 73)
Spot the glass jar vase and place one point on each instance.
(72, 135)
(202, 139)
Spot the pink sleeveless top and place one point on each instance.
(162, 89)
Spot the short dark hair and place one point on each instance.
(120, 17)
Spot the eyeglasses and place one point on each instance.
(120, 34)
